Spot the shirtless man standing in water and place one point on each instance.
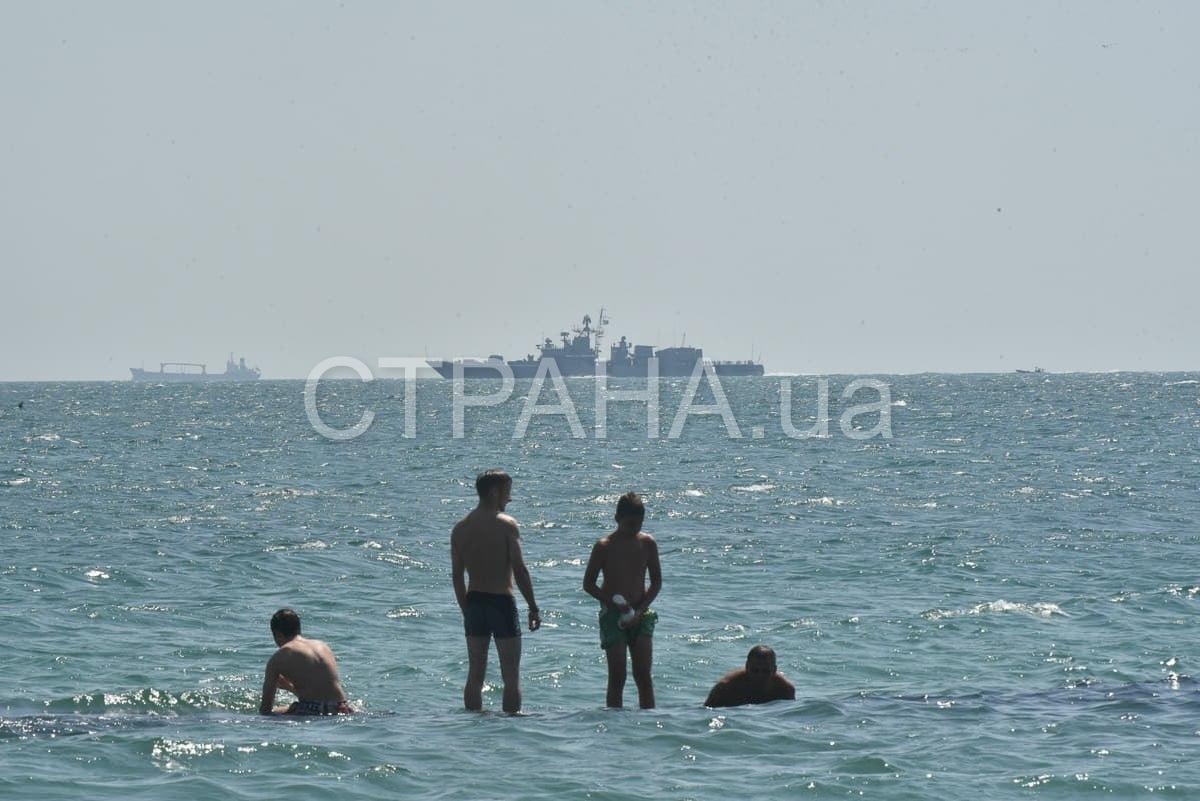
(486, 545)
(304, 667)
(625, 557)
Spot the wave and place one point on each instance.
(1038, 609)
(153, 701)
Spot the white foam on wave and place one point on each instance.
(755, 488)
(400, 559)
(1037, 609)
(285, 492)
(693, 493)
(17, 482)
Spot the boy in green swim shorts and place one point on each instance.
(626, 557)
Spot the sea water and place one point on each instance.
(998, 600)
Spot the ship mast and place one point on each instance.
(599, 330)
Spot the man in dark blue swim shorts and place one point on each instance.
(486, 546)
(490, 614)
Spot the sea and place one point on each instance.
(983, 586)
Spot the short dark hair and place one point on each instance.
(488, 479)
(761, 652)
(286, 623)
(630, 505)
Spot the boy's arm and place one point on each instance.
(592, 572)
(654, 568)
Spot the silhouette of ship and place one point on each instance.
(579, 354)
(185, 373)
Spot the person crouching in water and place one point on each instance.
(625, 557)
(759, 682)
(303, 667)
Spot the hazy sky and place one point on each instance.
(844, 187)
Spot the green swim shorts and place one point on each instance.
(612, 633)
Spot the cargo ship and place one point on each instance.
(193, 372)
(578, 354)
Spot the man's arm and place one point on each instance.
(458, 571)
(716, 696)
(522, 578)
(270, 682)
(784, 689)
(592, 572)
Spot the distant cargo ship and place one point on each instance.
(579, 354)
(192, 372)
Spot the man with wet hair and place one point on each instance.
(486, 547)
(306, 668)
(759, 682)
(626, 557)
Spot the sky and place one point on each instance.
(866, 187)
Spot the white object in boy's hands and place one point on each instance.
(627, 615)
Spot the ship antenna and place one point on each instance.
(601, 321)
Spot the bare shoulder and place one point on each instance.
(733, 677)
(508, 521)
(282, 658)
(647, 540)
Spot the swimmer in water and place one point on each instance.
(759, 682)
(306, 668)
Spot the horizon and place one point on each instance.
(431, 375)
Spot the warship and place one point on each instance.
(578, 354)
(193, 372)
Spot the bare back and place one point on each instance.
(310, 668)
(487, 545)
(737, 688)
